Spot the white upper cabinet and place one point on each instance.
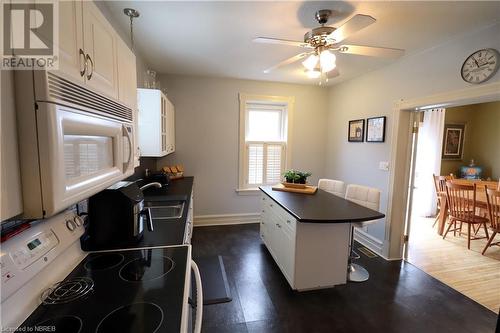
(100, 47)
(91, 52)
(127, 79)
(71, 54)
(156, 123)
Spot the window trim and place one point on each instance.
(244, 99)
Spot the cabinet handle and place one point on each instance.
(271, 205)
(288, 221)
(263, 211)
(82, 71)
(278, 225)
(87, 57)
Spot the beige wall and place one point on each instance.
(421, 74)
(486, 139)
(207, 121)
(482, 138)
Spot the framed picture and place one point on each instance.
(356, 131)
(453, 141)
(375, 129)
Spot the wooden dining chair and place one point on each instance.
(493, 200)
(462, 208)
(440, 186)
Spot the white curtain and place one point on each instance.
(430, 141)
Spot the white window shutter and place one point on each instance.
(255, 164)
(274, 162)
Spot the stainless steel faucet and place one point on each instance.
(153, 184)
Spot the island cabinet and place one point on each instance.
(310, 255)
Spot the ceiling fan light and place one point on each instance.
(310, 62)
(313, 73)
(327, 61)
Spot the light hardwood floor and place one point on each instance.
(448, 260)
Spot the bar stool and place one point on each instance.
(336, 187)
(370, 198)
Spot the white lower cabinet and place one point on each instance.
(310, 255)
(278, 233)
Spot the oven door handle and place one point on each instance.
(129, 139)
(199, 298)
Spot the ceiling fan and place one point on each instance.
(324, 41)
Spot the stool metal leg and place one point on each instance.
(355, 272)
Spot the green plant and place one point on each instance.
(294, 176)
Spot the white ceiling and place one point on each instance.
(215, 38)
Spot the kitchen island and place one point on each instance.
(308, 235)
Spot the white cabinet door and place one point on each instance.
(170, 127)
(71, 53)
(127, 75)
(287, 251)
(11, 203)
(164, 125)
(100, 46)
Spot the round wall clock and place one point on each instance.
(480, 66)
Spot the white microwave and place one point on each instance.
(73, 142)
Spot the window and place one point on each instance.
(264, 139)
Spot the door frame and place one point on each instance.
(401, 144)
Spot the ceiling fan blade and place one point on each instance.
(355, 24)
(333, 73)
(371, 51)
(278, 41)
(288, 61)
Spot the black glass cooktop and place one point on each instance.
(121, 291)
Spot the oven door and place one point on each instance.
(80, 154)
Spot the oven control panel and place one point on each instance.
(23, 256)
(34, 248)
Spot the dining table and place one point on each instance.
(481, 201)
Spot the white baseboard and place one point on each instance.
(226, 219)
(369, 241)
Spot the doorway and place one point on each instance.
(478, 146)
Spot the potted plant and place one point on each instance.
(296, 177)
(303, 177)
(291, 176)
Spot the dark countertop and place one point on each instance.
(166, 232)
(321, 207)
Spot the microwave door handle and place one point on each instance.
(199, 298)
(129, 139)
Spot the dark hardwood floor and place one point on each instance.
(398, 297)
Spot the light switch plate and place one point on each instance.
(383, 165)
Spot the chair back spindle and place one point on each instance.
(493, 201)
(461, 200)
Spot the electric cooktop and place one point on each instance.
(140, 290)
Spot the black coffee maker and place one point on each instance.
(117, 216)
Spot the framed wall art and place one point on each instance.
(453, 141)
(375, 129)
(356, 130)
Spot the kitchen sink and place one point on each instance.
(166, 210)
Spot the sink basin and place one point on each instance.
(166, 210)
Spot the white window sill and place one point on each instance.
(248, 191)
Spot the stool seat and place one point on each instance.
(370, 198)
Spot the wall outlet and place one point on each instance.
(383, 165)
